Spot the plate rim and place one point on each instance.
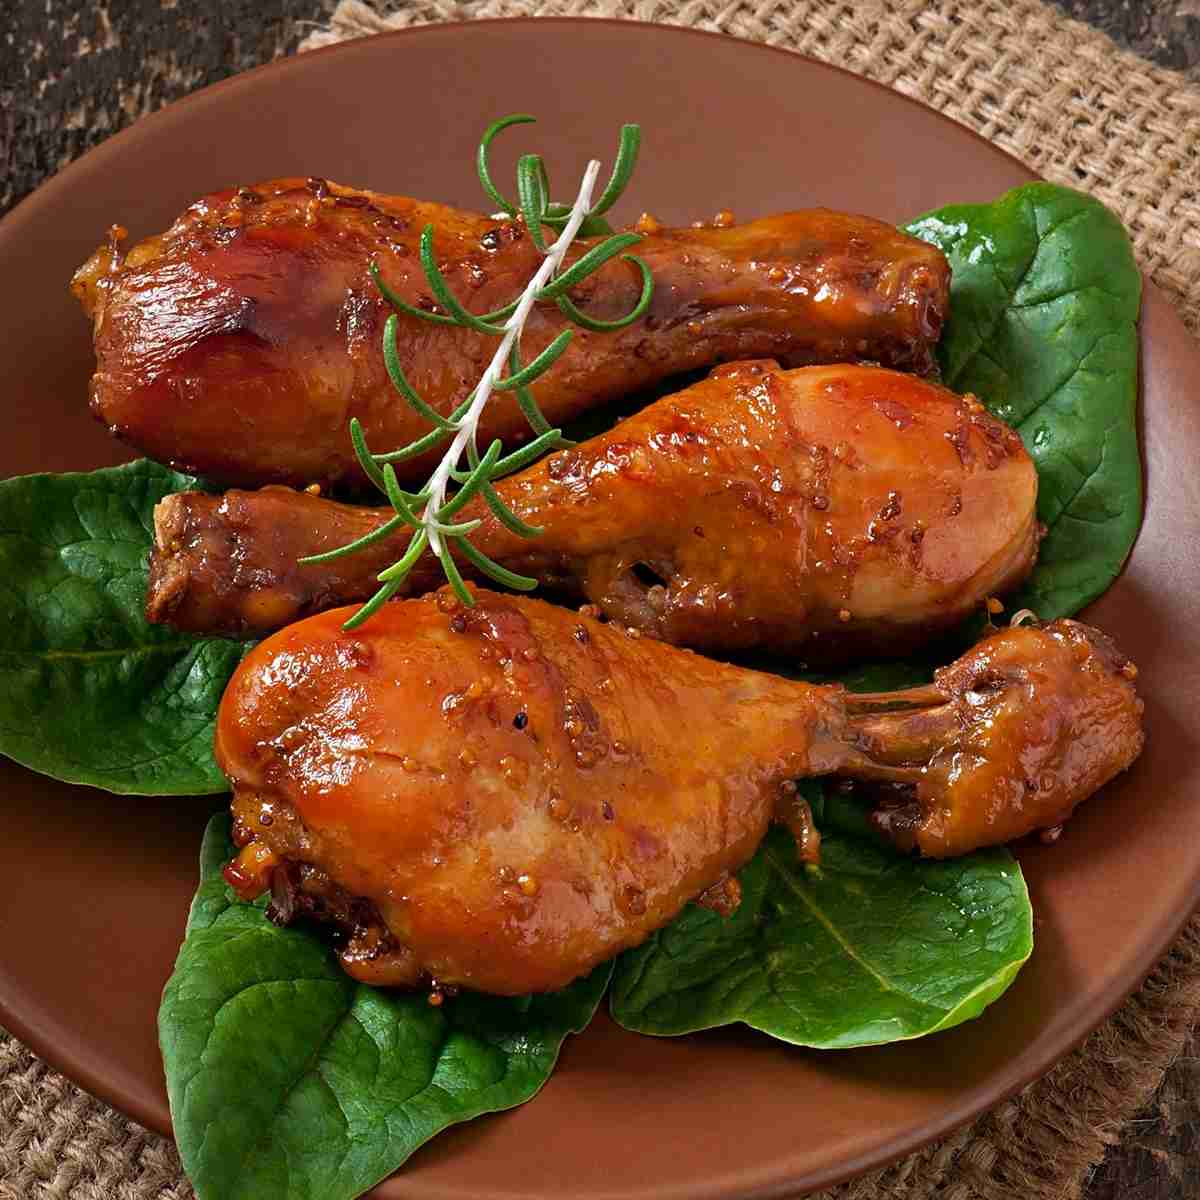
(1002, 1085)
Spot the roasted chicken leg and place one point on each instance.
(503, 796)
(821, 511)
(240, 342)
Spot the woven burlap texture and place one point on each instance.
(1078, 110)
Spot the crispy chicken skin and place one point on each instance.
(822, 511)
(501, 797)
(240, 342)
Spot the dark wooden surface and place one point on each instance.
(1158, 1156)
(72, 72)
(1165, 31)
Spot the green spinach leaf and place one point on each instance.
(287, 1078)
(864, 949)
(1043, 306)
(90, 691)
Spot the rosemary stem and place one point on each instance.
(554, 256)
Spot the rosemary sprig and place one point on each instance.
(429, 511)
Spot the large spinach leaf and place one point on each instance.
(1043, 305)
(287, 1078)
(866, 948)
(91, 692)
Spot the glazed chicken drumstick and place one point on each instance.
(503, 796)
(240, 342)
(823, 511)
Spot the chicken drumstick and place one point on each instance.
(503, 796)
(825, 511)
(240, 342)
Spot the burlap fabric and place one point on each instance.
(1068, 102)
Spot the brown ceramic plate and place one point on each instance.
(94, 888)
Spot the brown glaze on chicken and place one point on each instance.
(822, 511)
(1008, 739)
(240, 342)
(506, 784)
(501, 797)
